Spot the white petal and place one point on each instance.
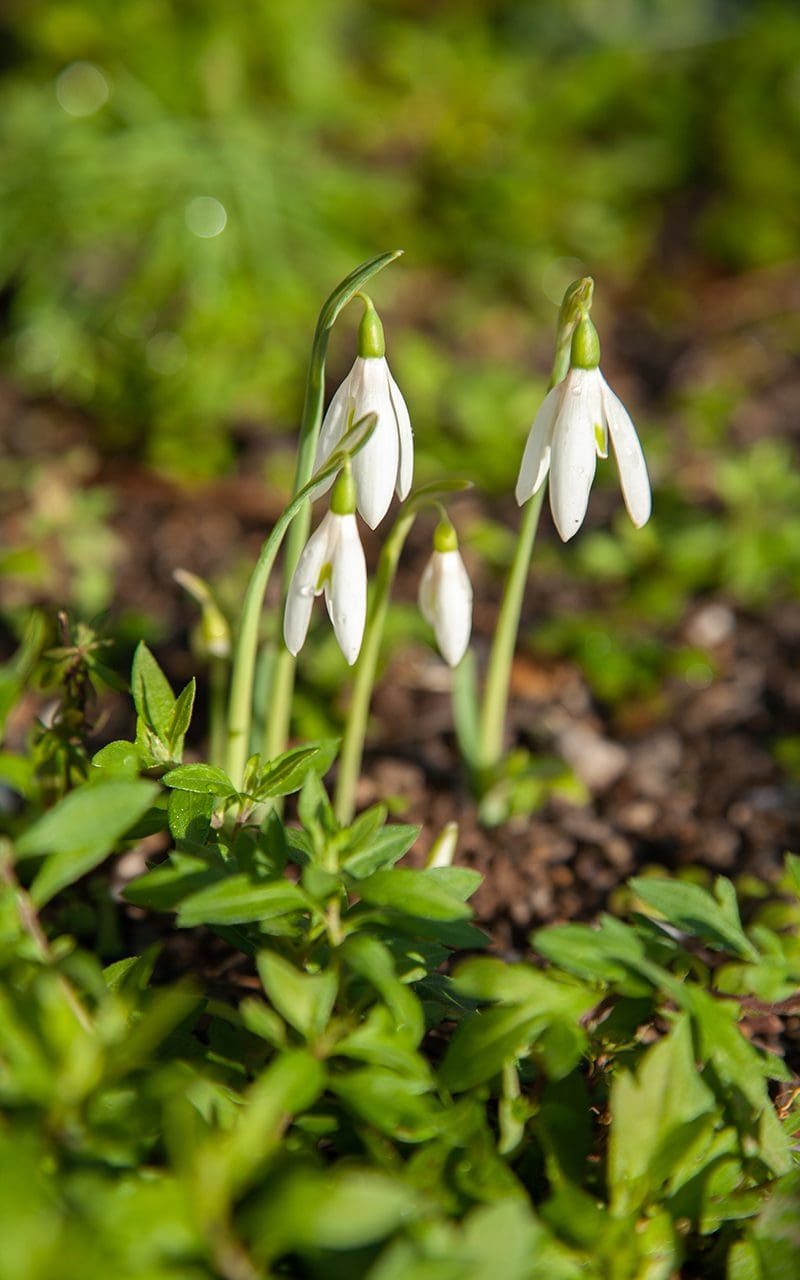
(304, 585)
(453, 607)
(405, 472)
(633, 477)
(346, 594)
(573, 452)
(428, 586)
(536, 456)
(375, 466)
(334, 424)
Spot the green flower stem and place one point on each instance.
(240, 706)
(282, 687)
(501, 657)
(494, 706)
(352, 749)
(217, 705)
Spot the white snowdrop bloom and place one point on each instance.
(332, 562)
(445, 596)
(386, 461)
(571, 430)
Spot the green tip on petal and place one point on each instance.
(343, 498)
(445, 537)
(585, 350)
(371, 342)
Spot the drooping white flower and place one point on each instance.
(445, 596)
(571, 430)
(332, 562)
(386, 461)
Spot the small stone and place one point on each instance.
(596, 760)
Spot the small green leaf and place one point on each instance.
(205, 779)
(152, 692)
(168, 884)
(240, 900)
(305, 1000)
(379, 849)
(486, 1041)
(656, 1113)
(287, 772)
(181, 718)
(133, 973)
(462, 882)
(16, 772)
(189, 814)
(121, 758)
(346, 1208)
(371, 960)
(608, 952)
(693, 910)
(82, 829)
(400, 1107)
(263, 1022)
(415, 893)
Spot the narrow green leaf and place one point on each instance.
(349, 287)
(462, 882)
(205, 779)
(168, 884)
(305, 1000)
(656, 1113)
(693, 910)
(287, 772)
(401, 1108)
(346, 1208)
(379, 850)
(152, 692)
(81, 830)
(239, 900)
(371, 960)
(181, 718)
(415, 893)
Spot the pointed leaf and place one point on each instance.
(152, 692)
(205, 779)
(239, 900)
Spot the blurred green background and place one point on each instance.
(181, 184)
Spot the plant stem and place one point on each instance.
(352, 749)
(217, 701)
(240, 705)
(282, 685)
(498, 672)
(494, 705)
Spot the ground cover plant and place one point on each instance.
(311, 1062)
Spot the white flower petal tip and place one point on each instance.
(633, 477)
(445, 601)
(536, 456)
(332, 561)
(571, 430)
(386, 462)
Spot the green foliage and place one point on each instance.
(595, 1109)
(307, 131)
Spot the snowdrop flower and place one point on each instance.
(445, 595)
(386, 462)
(332, 561)
(571, 430)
